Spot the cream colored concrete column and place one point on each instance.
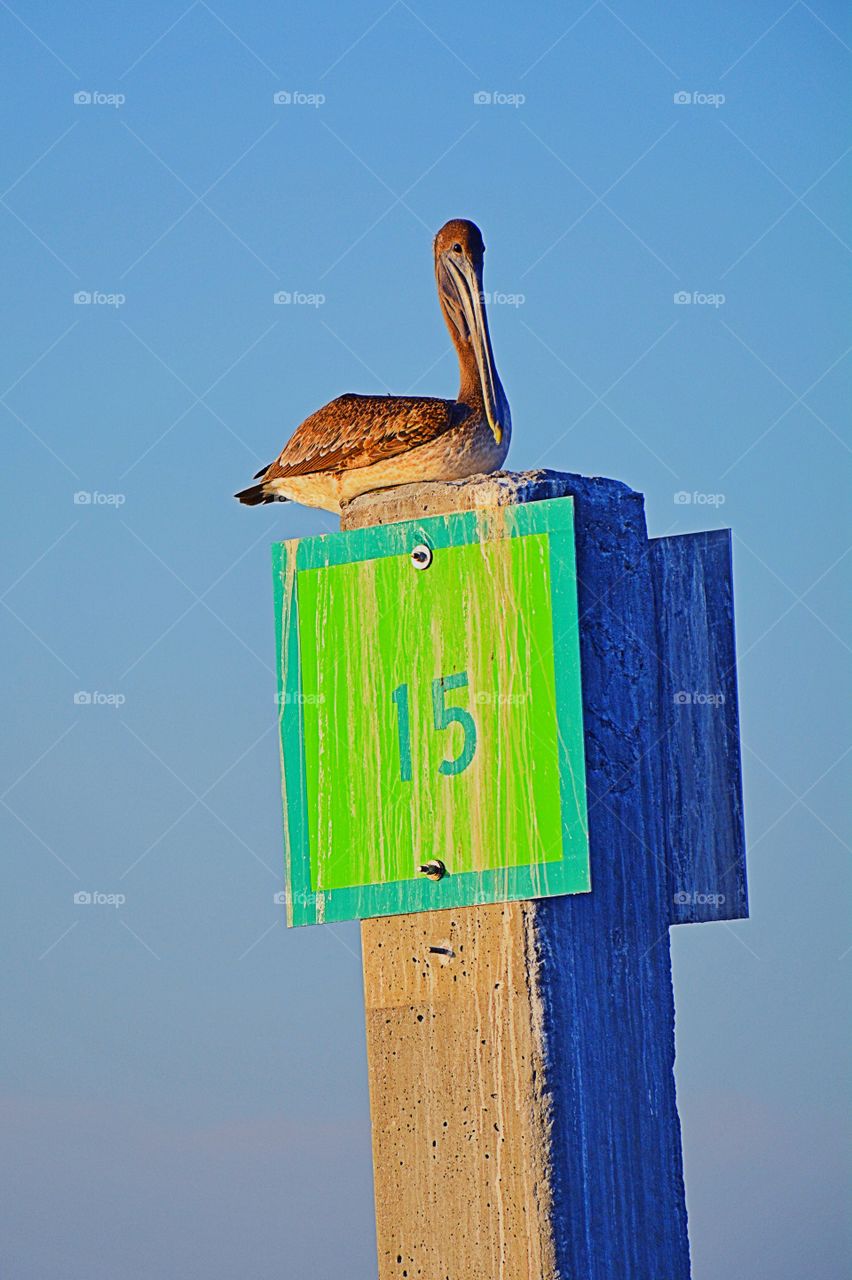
(460, 1124)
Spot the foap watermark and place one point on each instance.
(296, 98)
(295, 898)
(696, 98)
(83, 898)
(684, 499)
(93, 698)
(294, 298)
(496, 98)
(685, 298)
(696, 899)
(292, 698)
(94, 498)
(494, 298)
(96, 298)
(96, 98)
(690, 698)
(501, 699)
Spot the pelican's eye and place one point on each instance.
(457, 248)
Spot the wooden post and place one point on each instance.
(521, 1054)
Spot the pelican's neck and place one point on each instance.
(467, 323)
(470, 383)
(471, 391)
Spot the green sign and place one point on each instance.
(431, 714)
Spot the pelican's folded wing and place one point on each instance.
(357, 431)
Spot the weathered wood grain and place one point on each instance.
(539, 1058)
(702, 772)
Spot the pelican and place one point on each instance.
(358, 443)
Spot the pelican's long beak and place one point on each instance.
(462, 289)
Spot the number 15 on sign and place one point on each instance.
(443, 716)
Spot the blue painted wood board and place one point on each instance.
(702, 797)
(619, 1209)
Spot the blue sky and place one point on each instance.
(184, 1081)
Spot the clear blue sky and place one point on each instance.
(184, 1082)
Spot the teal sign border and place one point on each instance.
(570, 874)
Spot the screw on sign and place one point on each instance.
(421, 556)
(434, 869)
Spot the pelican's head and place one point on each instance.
(459, 254)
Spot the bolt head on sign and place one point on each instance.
(431, 714)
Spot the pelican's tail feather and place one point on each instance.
(256, 494)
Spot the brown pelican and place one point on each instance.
(357, 443)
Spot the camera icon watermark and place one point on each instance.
(685, 99)
(295, 98)
(684, 499)
(686, 698)
(97, 899)
(93, 698)
(94, 498)
(96, 298)
(295, 298)
(685, 298)
(496, 98)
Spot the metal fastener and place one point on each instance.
(434, 869)
(421, 556)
